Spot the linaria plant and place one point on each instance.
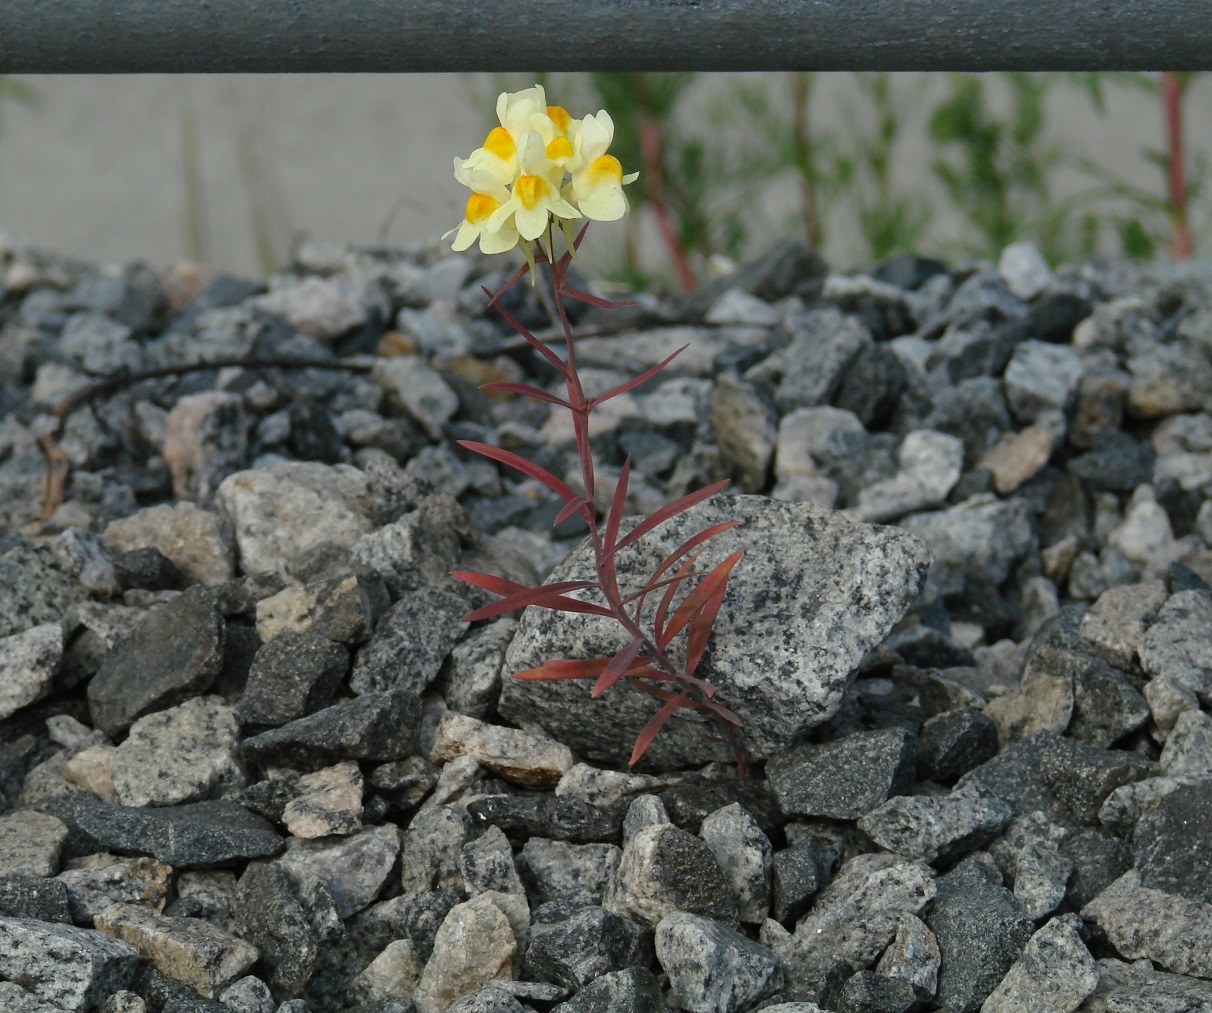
(542, 174)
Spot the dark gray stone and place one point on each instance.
(147, 568)
(34, 897)
(868, 992)
(846, 778)
(799, 871)
(1099, 858)
(591, 941)
(933, 828)
(632, 990)
(1133, 988)
(1116, 462)
(292, 675)
(981, 931)
(197, 836)
(712, 966)
(560, 871)
(410, 643)
(175, 653)
(375, 727)
(694, 797)
(541, 815)
(952, 743)
(1170, 844)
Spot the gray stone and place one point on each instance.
(557, 870)
(532, 761)
(632, 990)
(184, 754)
(712, 968)
(281, 513)
(1055, 973)
(929, 828)
(328, 803)
(29, 663)
(319, 307)
(15, 999)
(744, 432)
(604, 788)
(770, 596)
(394, 972)
(199, 835)
(664, 869)
(981, 932)
(292, 675)
(70, 968)
(85, 556)
(1170, 843)
(574, 944)
(419, 548)
(977, 542)
(1030, 854)
(23, 896)
(487, 864)
(490, 999)
(474, 945)
(1024, 270)
(798, 872)
(643, 811)
(930, 464)
(188, 950)
(867, 991)
(100, 881)
(30, 844)
(952, 743)
(542, 815)
(1188, 748)
(1171, 931)
(353, 869)
(853, 919)
(339, 608)
(845, 778)
(33, 589)
(1099, 858)
(248, 995)
(205, 440)
(913, 955)
(745, 857)
(194, 540)
(1178, 645)
(1123, 807)
(473, 671)
(1041, 377)
(410, 642)
(375, 727)
(1137, 988)
(417, 391)
(175, 653)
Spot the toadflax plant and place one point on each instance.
(539, 170)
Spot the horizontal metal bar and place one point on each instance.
(212, 36)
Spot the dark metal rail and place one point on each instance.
(266, 36)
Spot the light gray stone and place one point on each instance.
(533, 761)
(15, 999)
(29, 662)
(418, 391)
(196, 541)
(328, 803)
(1024, 270)
(184, 754)
(338, 608)
(30, 844)
(87, 557)
(1188, 748)
(925, 827)
(812, 594)
(70, 968)
(745, 857)
(560, 870)
(473, 673)
(99, 881)
(1041, 377)
(1138, 988)
(1178, 645)
(248, 995)
(487, 864)
(319, 307)
(474, 945)
(1055, 973)
(912, 956)
(603, 788)
(712, 968)
(643, 811)
(354, 869)
(744, 432)
(1114, 626)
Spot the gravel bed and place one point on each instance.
(252, 759)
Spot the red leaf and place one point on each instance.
(721, 710)
(649, 731)
(672, 558)
(670, 510)
(494, 297)
(587, 668)
(547, 596)
(568, 509)
(526, 467)
(698, 598)
(634, 382)
(653, 585)
(616, 668)
(499, 585)
(701, 624)
(597, 300)
(528, 391)
(615, 517)
(658, 623)
(556, 362)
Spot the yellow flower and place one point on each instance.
(535, 197)
(597, 176)
(488, 195)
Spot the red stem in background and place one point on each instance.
(650, 153)
(1173, 87)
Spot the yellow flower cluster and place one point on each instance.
(539, 165)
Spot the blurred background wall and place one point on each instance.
(232, 171)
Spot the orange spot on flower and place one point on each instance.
(479, 207)
(500, 143)
(530, 190)
(559, 116)
(605, 167)
(560, 147)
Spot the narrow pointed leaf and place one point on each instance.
(539, 474)
(634, 382)
(649, 731)
(526, 390)
(658, 622)
(494, 297)
(702, 623)
(573, 506)
(698, 598)
(670, 510)
(721, 710)
(548, 596)
(654, 585)
(616, 669)
(555, 361)
(673, 557)
(584, 668)
(615, 517)
(597, 300)
(499, 585)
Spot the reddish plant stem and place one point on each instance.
(1173, 89)
(650, 153)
